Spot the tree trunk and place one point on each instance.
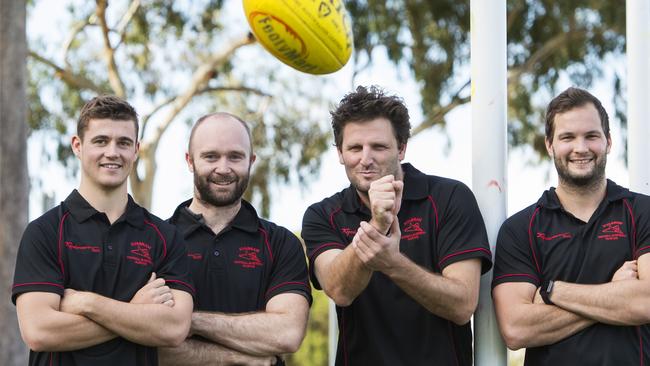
(14, 181)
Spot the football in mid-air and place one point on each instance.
(313, 36)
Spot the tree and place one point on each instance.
(14, 182)
(170, 57)
(546, 39)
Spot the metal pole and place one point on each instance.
(489, 147)
(333, 333)
(638, 96)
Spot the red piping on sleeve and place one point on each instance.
(266, 241)
(530, 240)
(61, 242)
(160, 235)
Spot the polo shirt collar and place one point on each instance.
(81, 210)
(245, 220)
(416, 186)
(614, 193)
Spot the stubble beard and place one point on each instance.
(206, 193)
(586, 182)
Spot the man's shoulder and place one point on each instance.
(275, 231)
(433, 185)
(161, 225)
(521, 217)
(49, 220)
(331, 203)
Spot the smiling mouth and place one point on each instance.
(581, 161)
(110, 166)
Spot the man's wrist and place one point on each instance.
(546, 290)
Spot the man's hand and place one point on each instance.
(377, 251)
(73, 302)
(628, 271)
(154, 292)
(385, 195)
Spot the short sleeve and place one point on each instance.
(513, 260)
(641, 211)
(38, 264)
(175, 267)
(319, 236)
(289, 272)
(461, 231)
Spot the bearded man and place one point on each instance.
(252, 289)
(572, 278)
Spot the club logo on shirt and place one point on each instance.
(247, 257)
(195, 256)
(546, 237)
(82, 248)
(612, 231)
(412, 229)
(140, 253)
(348, 232)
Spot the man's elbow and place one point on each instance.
(36, 340)
(291, 340)
(513, 337)
(462, 317)
(463, 312)
(339, 296)
(174, 336)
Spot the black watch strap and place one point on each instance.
(545, 292)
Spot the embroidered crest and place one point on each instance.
(247, 257)
(612, 231)
(140, 253)
(412, 229)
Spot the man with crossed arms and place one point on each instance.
(571, 279)
(251, 279)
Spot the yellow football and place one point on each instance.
(313, 36)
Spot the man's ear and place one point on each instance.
(189, 161)
(402, 152)
(549, 147)
(75, 144)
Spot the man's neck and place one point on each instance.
(581, 202)
(111, 202)
(216, 218)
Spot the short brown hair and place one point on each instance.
(365, 104)
(106, 106)
(570, 99)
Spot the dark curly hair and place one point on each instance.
(570, 99)
(365, 104)
(106, 106)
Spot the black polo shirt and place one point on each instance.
(245, 265)
(441, 224)
(75, 246)
(544, 242)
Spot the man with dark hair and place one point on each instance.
(99, 280)
(251, 279)
(571, 280)
(399, 252)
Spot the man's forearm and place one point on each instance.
(617, 303)
(69, 332)
(261, 334)
(146, 324)
(195, 352)
(448, 298)
(344, 277)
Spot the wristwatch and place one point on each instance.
(545, 292)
